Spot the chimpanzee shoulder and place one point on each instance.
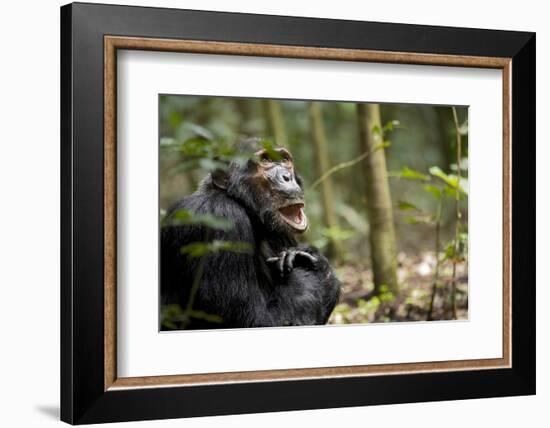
(218, 204)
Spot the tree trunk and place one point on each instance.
(276, 122)
(379, 204)
(336, 249)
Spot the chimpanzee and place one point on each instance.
(276, 282)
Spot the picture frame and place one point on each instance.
(91, 35)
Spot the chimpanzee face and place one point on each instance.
(274, 174)
(268, 186)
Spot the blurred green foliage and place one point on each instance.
(198, 135)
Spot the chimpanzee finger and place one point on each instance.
(281, 262)
(308, 256)
(289, 261)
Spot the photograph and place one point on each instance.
(279, 212)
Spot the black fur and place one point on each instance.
(243, 288)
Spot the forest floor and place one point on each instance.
(416, 277)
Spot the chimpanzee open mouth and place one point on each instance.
(295, 216)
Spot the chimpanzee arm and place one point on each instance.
(329, 283)
(229, 288)
(308, 287)
(221, 283)
(233, 288)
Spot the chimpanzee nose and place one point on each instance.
(283, 181)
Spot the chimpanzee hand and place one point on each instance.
(288, 259)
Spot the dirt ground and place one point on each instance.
(416, 278)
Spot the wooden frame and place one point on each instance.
(513, 53)
(112, 43)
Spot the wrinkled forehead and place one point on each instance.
(254, 147)
(283, 153)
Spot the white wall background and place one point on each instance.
(29, 213)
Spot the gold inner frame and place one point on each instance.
(113, 43)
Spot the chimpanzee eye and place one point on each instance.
(265, 159)
(285, 156)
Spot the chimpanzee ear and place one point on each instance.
(220, 178)
(299, 181)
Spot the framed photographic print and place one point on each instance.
(266, 213)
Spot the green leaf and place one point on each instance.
(170, 315)
(173, 314)
(199, 249)
(389, 126)
(376, 130)
(382, 145)
(410, 174)
(454, 252)
(449, 251)
(196, 147)
(407, 206)
(450, 191)
(433, 190)
(269, 147)
(450, 180)
(367, 307)
(204, 316)
(385, 293)
(387, 296)
(337, 234)
(437, 172)
(384, 288)
(183, 216)
(420, 219)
